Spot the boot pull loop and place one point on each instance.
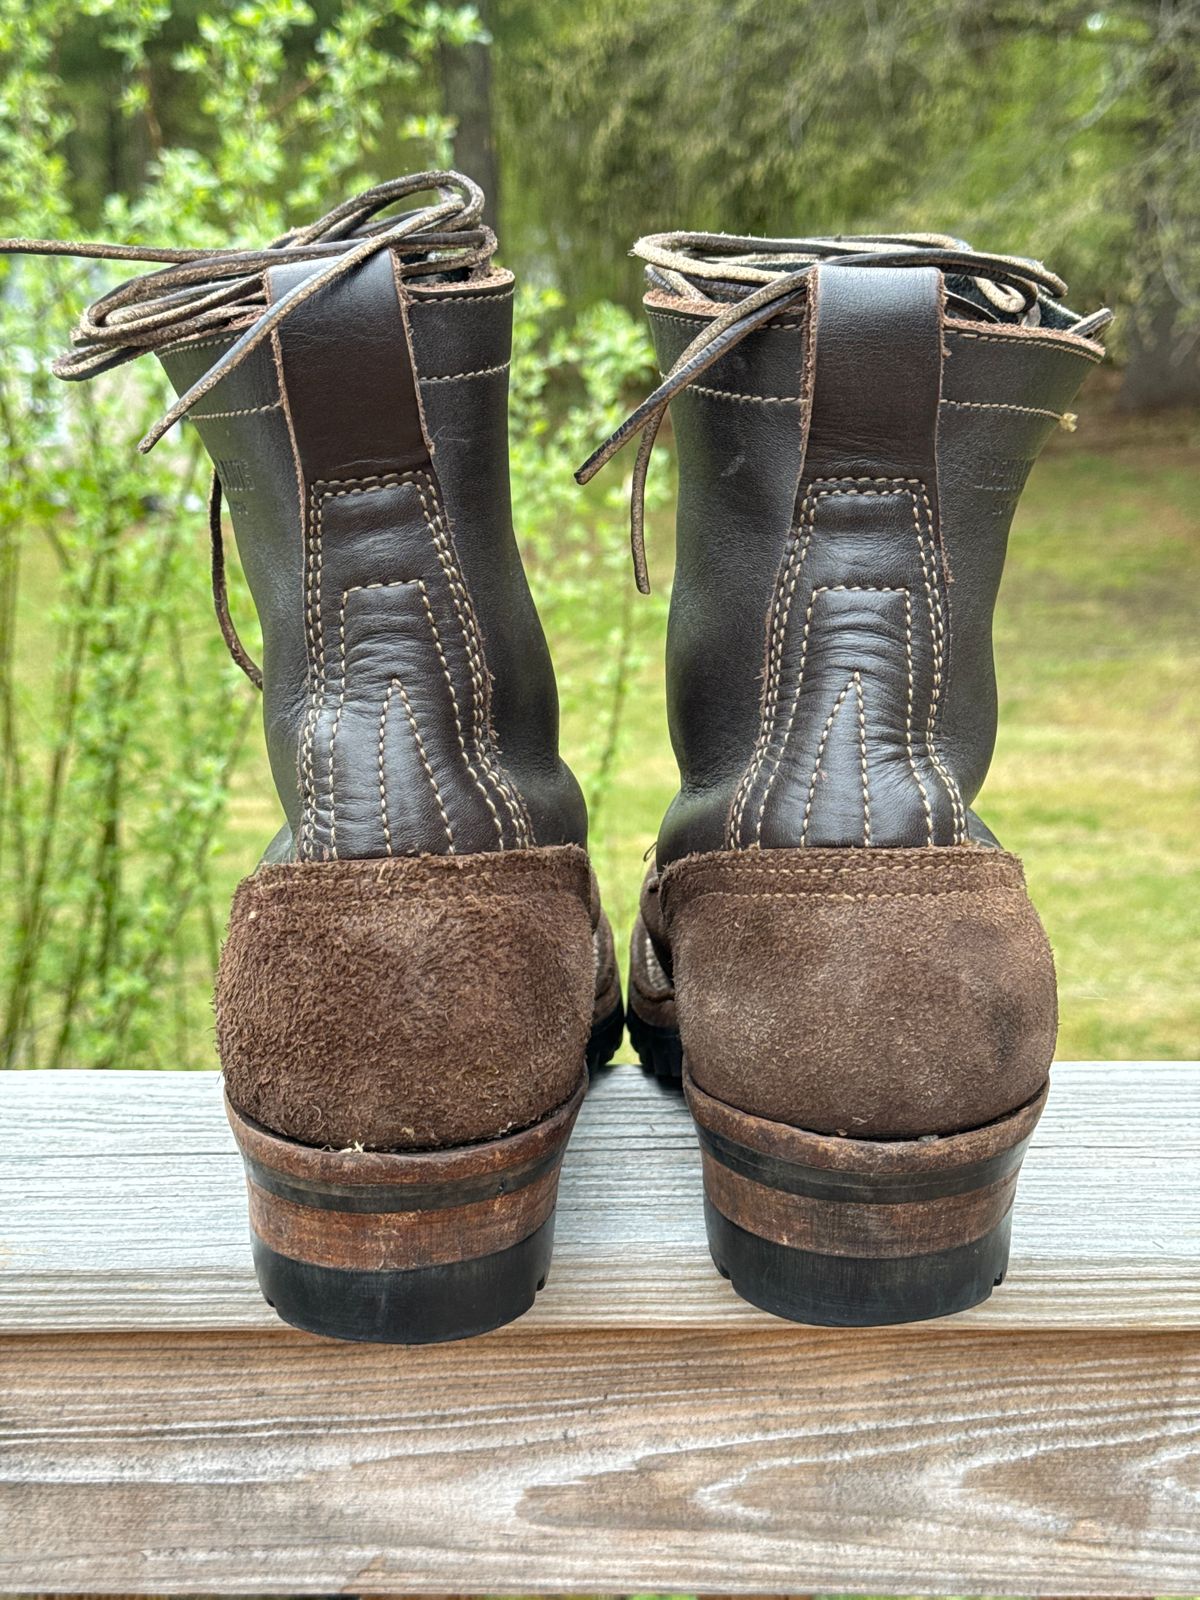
(762, 266)
(221, 292)
(221, 592)
(198, 292)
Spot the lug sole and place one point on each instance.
(855, 1232)
(659, 1049)
(606, 1038)
(423, 1305)
(403, 1248)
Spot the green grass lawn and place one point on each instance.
(1096, 777)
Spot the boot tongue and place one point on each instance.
(756, 279)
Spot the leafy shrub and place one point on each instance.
(122, 722)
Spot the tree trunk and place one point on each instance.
(467, 98)
(1164, 355)
(1164, 336)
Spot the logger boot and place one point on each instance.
(834, 951)
(417, 973)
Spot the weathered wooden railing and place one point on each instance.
(641, 1429)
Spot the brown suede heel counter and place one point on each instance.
(608, 978)
(869, 992)
(412, 1003)
(651, 991)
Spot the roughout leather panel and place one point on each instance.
(878, 994)
(411, 1004)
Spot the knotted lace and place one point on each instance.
(224, 292)
(760, 278)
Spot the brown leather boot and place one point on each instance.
(834, 952)
(419, 972)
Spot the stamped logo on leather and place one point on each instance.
(1004, 478)
(234, 475)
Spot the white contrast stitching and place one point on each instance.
(1000, 405)
(338, 488)
(458, 722)
(933, 594)
(826, 588)
(457, 377)
(787, 732)
(1024, 341)
(184, 349)
(862, 745)
(419, 299)
(908, 716)
(893, 894)
(314, 627)
(795, 562)
(697, 320)
(433, 783)
(825, 732)
(383, 812)
(750, 867)
(466, 620)
(467, 623)
(752, 399)
(241, 411)
(800, 545)
(781, 613)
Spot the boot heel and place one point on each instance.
(403, 1248)
(858, 1232)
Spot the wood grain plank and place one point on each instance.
(122, 1207)
(759, 1460)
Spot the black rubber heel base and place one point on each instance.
(660, 1050)
(419, 1305)
(848, 1292)
(605, 1038)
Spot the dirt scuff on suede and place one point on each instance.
(876, 993)
(408, 1004)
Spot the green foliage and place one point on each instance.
(121, 719)
(568, 391)
(124, 729)
(1046, 126)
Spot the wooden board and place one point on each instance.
(122, 1207)
(758, 1461)
(160, 1433)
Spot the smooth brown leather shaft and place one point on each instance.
(409, 700)
(829, 925)
(847, 476)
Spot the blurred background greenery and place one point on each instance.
(133, 788)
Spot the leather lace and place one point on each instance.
(224, 293)
(760, 278)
